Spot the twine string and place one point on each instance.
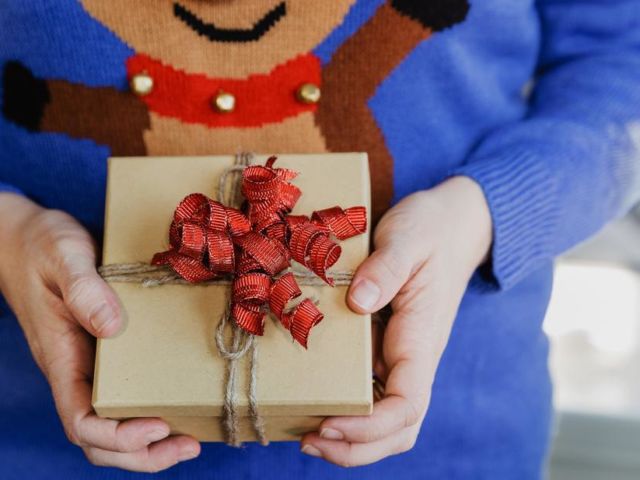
(241, 342)
(153, 276)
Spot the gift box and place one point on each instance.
(166, 361)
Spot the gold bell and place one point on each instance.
(142, 84)
(309, 93)
(224, 102)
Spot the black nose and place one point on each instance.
(436, 15)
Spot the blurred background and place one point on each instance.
(593, 324)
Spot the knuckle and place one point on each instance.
(70, 252)
(396, 221)
(119, 441)
(45, 223)
(66, 258)
(79, 287)
(408, 443)
(79, 283)
(121, 444)
(394, 264)
(93, 459)
(73, 435)
(346, 460)
(125, 444)
(412, 414)
(404, 447)
(374, 432)
(52, 228)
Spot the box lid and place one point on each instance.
(165, 361)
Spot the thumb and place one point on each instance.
(90, 300)
(379, 278)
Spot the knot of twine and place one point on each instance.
(240, 343)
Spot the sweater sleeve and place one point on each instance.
(573, 163)
(5, 187)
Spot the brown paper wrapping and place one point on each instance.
(165, 362)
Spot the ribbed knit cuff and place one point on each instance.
(522, 196)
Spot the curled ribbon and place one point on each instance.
(256, 245)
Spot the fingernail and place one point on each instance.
(157, 435)
(188, 454)
(103, 317)
(331, 434)
(365, 294)
(311, 450)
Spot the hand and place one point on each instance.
(48, 276)
(426, 249)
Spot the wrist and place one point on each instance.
(15, 211)
(469, 215)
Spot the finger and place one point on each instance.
(411, 365)
(347, 454)
(378, 279)
(89, 299)
(155, 458)
(72, 393)
(84, 428)
(125, 436)
(390, 415)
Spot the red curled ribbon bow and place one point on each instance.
(257, 244)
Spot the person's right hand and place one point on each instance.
(48, 277)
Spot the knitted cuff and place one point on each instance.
(521, 194)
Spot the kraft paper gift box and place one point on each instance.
(165, 362)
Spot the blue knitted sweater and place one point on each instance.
(538, 101)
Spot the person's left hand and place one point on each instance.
(426, 249)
